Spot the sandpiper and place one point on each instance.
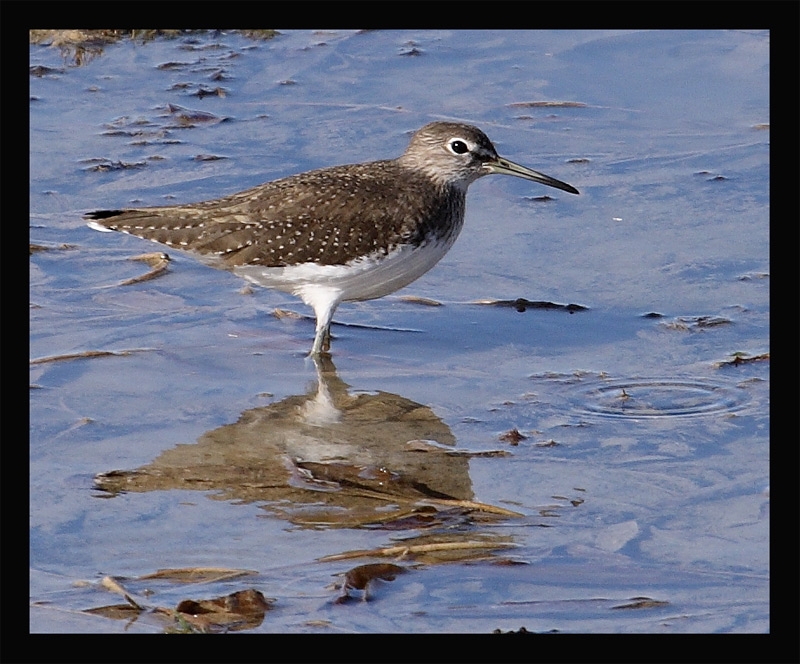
(339, 234)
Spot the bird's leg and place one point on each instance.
(322, 338)
(322, 342)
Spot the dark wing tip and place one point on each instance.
(102, 214)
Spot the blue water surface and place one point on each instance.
(643, 472)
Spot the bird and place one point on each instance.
(338, 234)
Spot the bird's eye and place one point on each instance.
(458, 146)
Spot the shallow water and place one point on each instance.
(642, 470)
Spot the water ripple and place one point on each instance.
(655, 398)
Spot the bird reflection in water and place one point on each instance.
(331, 457)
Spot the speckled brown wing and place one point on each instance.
(326, 217)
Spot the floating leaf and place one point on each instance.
(521, 304)
(548, 104)
(359, 578)
(197, 574)
(244, 609)
(411, 550)
(416, 299)
(641, 603)
(743, 358)
(115, 611)
(158, 262)
(110, 583)
(87, 353)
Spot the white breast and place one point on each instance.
(366, 278)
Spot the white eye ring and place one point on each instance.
(458, 146)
